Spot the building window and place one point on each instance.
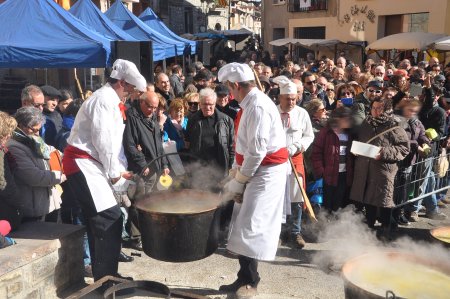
(307, 5)
(417, 22)
(307, 33)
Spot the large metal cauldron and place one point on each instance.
(179, 226)
(395, 274)
(441, 234)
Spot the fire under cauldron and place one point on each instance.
(179, 226)
(396, 274)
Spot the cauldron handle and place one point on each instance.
(390, 295)
(166, 155)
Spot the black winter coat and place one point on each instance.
(142, 141)
(224, 137)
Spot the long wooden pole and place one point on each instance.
(309, 208)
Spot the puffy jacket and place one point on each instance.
(325, 157)
(34, 181)
(224, 129)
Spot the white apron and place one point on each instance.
(98, 184)
(256, 223)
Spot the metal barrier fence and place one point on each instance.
(422, 179)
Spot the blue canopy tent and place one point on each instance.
(41, 34)
(131, 24)
(88, 13)
(149, 17)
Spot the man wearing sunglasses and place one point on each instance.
(312, 90)
(361, 107)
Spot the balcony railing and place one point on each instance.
(307, 5)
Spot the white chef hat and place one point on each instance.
(126, 70)
(286, 85)
(236, 72)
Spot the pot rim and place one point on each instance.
(436, 230)
(214, 208)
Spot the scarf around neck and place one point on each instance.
(35, 143)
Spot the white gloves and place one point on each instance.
(60, 176)
(292, 149)
(237, 184)
(234, 187)
(121, 185)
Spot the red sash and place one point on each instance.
(70, 154)
(278, 157)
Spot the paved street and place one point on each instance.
(307, 273)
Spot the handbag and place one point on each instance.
(441, 165)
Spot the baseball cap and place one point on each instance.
(222, 90)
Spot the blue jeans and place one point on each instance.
(295, 219)
(428, 184)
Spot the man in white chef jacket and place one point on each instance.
(258, 179)
(299, 136)
(94, 163)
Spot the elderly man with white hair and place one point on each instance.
(95, 164)
(258, 180)
(299, 136)
(209, 134)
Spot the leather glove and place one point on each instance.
(292, 149)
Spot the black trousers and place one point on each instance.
(371, 215)
(248, 273)
(336, 197)
(104, 229)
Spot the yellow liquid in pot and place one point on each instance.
(184, 202)
(444, 236)
(405, 279)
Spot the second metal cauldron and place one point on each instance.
(180, 226)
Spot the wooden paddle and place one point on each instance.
(309, 208)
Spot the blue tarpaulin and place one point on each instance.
(41, 34)
(131, 24)
(149, 17)
(89, 14)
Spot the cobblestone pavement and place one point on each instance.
(292, 275)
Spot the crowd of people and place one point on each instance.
(56, 150)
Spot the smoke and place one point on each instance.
(348, 237)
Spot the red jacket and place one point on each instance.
(325, 157)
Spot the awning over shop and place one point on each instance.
(163, 47)
(442, 44)
(149, 17)
(418, 41)
(307, 43)
(88, 13)
(41, 34)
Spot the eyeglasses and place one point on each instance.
(377, 91)
(37, 105)
(34, 130)
(321, 110)
(311, 82)
(193, 103)
(329, 89)
(346, 93)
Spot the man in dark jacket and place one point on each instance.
(53, 122)
(223, 101)
(312, 90)
(361, 106)
(162, 86)
(176, 82)
(210, 137)
(142, 139)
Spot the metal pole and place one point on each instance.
(229, 14)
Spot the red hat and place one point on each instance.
(401, 72)
(5, 227)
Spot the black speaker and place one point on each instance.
(205, 51)
(140, 53)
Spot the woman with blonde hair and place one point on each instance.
(192, 100)
(9, 209)
(175, 125)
